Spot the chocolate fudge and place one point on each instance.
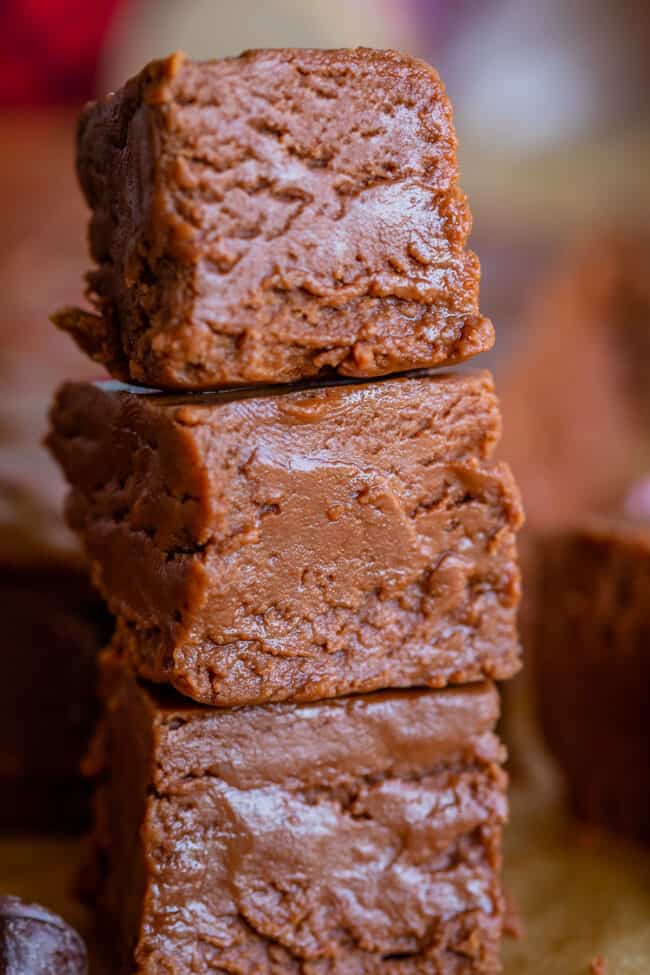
(355, 835)
(298, 544)
(275, 216)
(592, 668)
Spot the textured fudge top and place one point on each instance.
(268, 217)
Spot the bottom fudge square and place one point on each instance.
(355, 835)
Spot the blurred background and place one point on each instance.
(552, 106)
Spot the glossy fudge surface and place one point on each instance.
(357, 835)
(275, 216)
(298, 544)
(592, 668)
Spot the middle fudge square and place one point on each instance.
(352, 836)
(298, 545)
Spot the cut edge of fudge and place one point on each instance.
(192, 492)
(284, 835)
(248, 221)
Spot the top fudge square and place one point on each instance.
(276, 216)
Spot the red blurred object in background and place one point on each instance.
(50, 49)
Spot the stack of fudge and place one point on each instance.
(311, 559)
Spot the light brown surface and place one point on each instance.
(578, 899)
(580, 896)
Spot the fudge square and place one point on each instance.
(592, 668)
(298, 545)
(268, 217)
(355, 835)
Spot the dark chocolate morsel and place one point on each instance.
(33, 941)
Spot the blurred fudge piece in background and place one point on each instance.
(576, 397)
(53, 622)
(592, 668)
